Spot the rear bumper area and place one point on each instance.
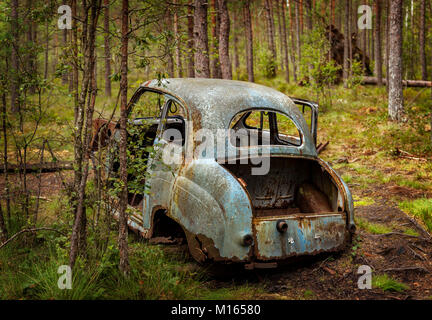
(305, 235)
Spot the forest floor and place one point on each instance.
(388, 168)
(393, 244)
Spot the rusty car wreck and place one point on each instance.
(300, 206)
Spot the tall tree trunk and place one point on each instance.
(235, 43)
(46, 50)
(82, 147)
(308, 6)
(75, 73)
(387, 42)
(298, 28)
(65, 76)
(30, 55)
(5, 159)
(395, 103)
(330, 34)
(412, 38)
(224, 40)
(332, 12)
(281, 50)
(354, 4)
(249, 41)
(299, 6)
(177, 37)
(123, 227)
(107, 49)
(293, 42)
(422, 40)
(347, 41)
(378, 45)
(339, 15)
(202, 62)
(364, 46)
(270, 31)
(190, 42)
(350, 37)
(285, 41)
(14, 58)
(169, 43)
(215, 68)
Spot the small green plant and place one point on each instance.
(355, 246)
(386, 283)
(308, 294)
(356, 76)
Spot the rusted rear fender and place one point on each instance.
(212, 205)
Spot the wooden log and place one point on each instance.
(406, 83)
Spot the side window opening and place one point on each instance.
(287, 131)
(266, 125)
(144, 117)
(173, 124)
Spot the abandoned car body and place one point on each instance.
(299, 206)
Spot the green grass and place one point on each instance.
(411, 232)
(361, 202)
(386, 283)
(420, 208)
(30, 272)
(347, 178)
(374, 228)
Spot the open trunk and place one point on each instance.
(292, 186)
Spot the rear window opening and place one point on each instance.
(292, 186)
(264, 127)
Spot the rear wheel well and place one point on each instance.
(164, 226)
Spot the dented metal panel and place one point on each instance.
(210, 202)
(306, 234)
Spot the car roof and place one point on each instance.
(214, 102)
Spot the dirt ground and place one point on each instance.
(406, 258)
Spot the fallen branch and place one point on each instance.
(405, 83)
(40, 167)
(29, 230)
(425, 233)
(401, 234)
(415, 254)
(321, 147)
(408, 269)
